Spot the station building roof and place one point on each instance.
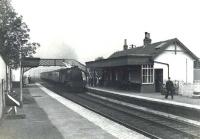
(153, 49)
(139, 55)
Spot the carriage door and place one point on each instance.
(158, 79)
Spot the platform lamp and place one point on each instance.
(21, 77)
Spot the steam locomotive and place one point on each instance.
(73, 78)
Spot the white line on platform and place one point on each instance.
(151, 99)
(111, 127)
(149, 110)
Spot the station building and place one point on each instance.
(144, 68)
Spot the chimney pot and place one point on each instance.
(125, 44)
(147, 39)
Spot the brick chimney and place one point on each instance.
(125, 44)
(147, 39)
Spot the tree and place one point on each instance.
(99, 58)
(14, 36)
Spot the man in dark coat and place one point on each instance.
(170, 88)
(29, 79)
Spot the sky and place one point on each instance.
(87, 29)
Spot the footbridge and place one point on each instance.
(30, 62)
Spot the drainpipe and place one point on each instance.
(163, 64)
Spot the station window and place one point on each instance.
(130, 76)
(116, 76)
(110, 76)
(147, 74)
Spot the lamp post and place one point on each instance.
(21, 77)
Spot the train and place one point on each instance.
(73, 78)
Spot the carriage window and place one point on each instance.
(147, 74)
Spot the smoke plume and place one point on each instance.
(56, 50)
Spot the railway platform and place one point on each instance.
(182, 108)
(153, 96)
(50, 116)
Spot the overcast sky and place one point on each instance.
(86, 29)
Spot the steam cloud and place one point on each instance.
(56, 51)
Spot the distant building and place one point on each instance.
(145, 68)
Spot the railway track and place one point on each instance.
(151, 125)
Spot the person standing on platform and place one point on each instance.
(170, 88)
(29, 79)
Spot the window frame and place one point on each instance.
(148, 69)
(116, 76)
